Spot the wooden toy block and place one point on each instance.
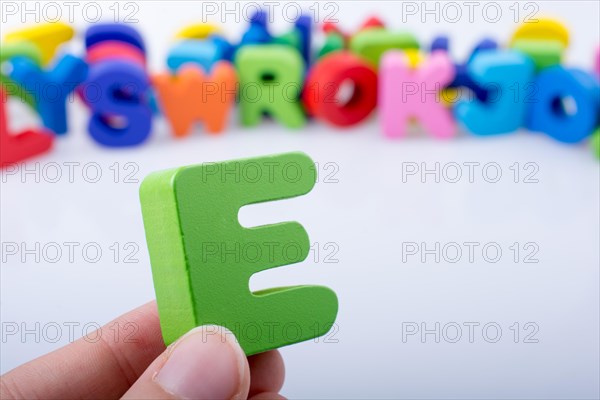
(121, 114)
(202, 258)
(595, 142)
(98, 33)
(568, 123)
(11, 50)
(198, 31)
(406, 93)
(50, 88)
(543, 29)
(498, 71)
(115, 50)
(47, 37)
(323, 84)
(270, 82)
(16, 147)
(371, 44)
(544, 53)
(192, 96)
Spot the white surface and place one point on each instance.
(369, 213)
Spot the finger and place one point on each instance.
(267, 372)
(103, 364)
(206, 363)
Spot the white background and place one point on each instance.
(368, 213)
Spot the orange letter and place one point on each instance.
(191, 95)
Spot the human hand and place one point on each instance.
(206, 363)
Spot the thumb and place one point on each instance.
(205, 363)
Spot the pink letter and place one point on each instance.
(406, 93)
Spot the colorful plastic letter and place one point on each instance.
(544, 53)
(551, 116)
(50, 88)
(544, 41)
(324, 81)
(257, 32)
(595, 142)
(115, 50)
(440, 43)
(18, 147)
(270, 79)
(502, 73)
(333, 42)
(204, 53)
(543, 29)
(406, 93)
(372, 22)
(371, 44)
(47, 37)
(123, 93)
(191, 95)
(300, 37)
(114, 32)
(198, 31)
(291, 38)
(462, 79)
(303, 26)
(11, 50)
(202, 258)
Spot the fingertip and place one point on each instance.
(205, 363)
(267, 372)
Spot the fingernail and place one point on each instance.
(206, 363)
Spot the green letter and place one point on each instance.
(270, 81)
(202, 258)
